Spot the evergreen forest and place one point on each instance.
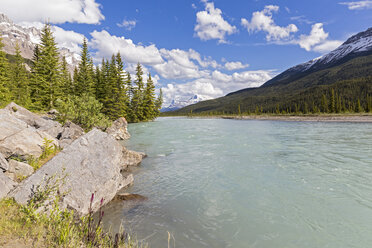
(90, 96)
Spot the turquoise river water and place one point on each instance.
(233, 183)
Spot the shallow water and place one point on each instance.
(231, 183)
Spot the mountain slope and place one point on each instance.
(304, 84)
(27, 38)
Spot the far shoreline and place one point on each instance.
(352, 118)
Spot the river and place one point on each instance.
(234, 183)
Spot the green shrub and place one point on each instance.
(84, 111)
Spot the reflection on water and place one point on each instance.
(228, 183)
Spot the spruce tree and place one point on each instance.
(149, 108)
(45, 85)
(159, 102)
(66, 81)
(19, 80)
(4, 76)
(121, 89)
(84, 79)
(137, 98)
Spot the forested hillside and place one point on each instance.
(345, 85)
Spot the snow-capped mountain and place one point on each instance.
(356, 45)
(27, 38)
(177, 104)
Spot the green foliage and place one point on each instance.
(91, 97)
(333, 96)
(84, 78)
(42, 222)
(45, 84)
(83, 110)
(19, 86)
(4, 77)
(49, 150)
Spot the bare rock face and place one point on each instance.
(4, 165)
(132, 158)
(6, 185)
(70, 132)
(20, 169)
(25, 143)
(91, 164)
(9, 125)
(119, 130)
(49, 126)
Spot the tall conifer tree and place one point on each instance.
(45, 87)
(4, 76)
(19, 80)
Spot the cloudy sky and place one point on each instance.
(209, 48)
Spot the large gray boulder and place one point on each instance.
(9, 125)
(53, 128)
(19, 169)
(132, 158)
(119, 130)
(70, 132)
(27, 142)
(6, 185)
(4, 165)
(91, 164)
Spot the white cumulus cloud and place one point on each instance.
(263, 21)
(231, 66)
(107, 44)
(358, 5)
(317, 40)
(68, 39)
(53, 11)
(211, 25)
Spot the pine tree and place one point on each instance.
(137, 97)
(19, 80)
(45, 85)
(66, 81)
(358, 107)
(122, 97)
(84, 79)
(149, 108)
(4, 77)
(333, 101)
(324, 104)
(159, 102)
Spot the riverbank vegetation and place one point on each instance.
(43, 223)
(92, 95)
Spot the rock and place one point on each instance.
(130, 197)
(4, 165)
(53, 112)
(20, 169)
(70, 132)
(25, 143)
(6, 185)
(132, 158)
(9, 125)
(119, 130)
(91, 164)
(49, 126)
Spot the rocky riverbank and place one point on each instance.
(90, 163)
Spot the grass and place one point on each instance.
(42, 223)
(49, 151)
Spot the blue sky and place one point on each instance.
(209, 48)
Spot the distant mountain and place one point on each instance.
(357, 45)
(347, 69)
(177, 104)
(27, 38)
